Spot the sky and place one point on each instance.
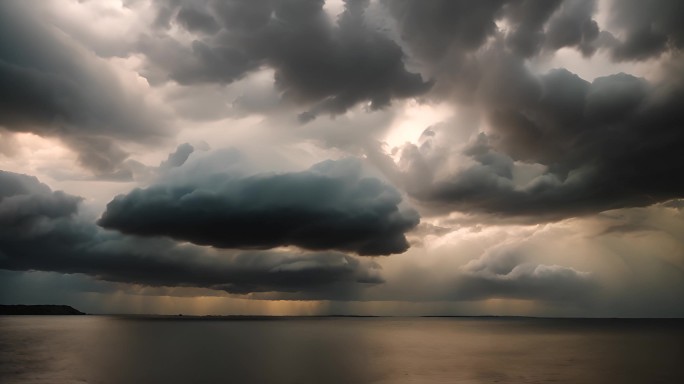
(372, 157)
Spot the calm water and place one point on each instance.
(99, 349)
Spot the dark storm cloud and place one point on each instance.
(456, 43)
(51, 87)
(528, 18)
(329, 206)
(328, 66)
(573, 26)
(435, 29)
(614, 142)
(648, 28)
(196, 20)
(41, 230)
(605, 144)
(432, 28)
(24, 200)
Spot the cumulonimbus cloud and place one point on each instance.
(329, 66)
(329, 206)
(610, 143)
(41, 229)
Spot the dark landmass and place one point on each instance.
(49, 310)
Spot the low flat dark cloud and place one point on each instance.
(328, 66)
(51, 87)
(41, 230)
(330, 206)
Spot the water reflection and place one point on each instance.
(97, 349)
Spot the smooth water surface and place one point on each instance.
(102, 349)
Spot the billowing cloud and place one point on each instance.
(330, 66)
(329, 206)
(435, 28)
(51, 86)
(442, 33)
(573, 26)
(646, 29)
(546, 146)
(528, 19)
(42, 230)
(505, 273)
(599, 145)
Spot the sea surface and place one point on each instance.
(110, 349)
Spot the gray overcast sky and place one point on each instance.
(510, 157)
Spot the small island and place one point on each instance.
(39, 310)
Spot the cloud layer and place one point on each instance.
(41, 230)
(538, 142)
(328, 65)
(330, 206)
(599, 145)
(51, 86)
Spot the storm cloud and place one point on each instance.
(443, 33)
(329, 206)
(52, 87)
(610, 143)
(546, 176)
(328, 66)
(42, 230)
(647, 29)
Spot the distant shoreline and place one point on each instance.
(65, 310)
(39, 310)
(185, 317)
